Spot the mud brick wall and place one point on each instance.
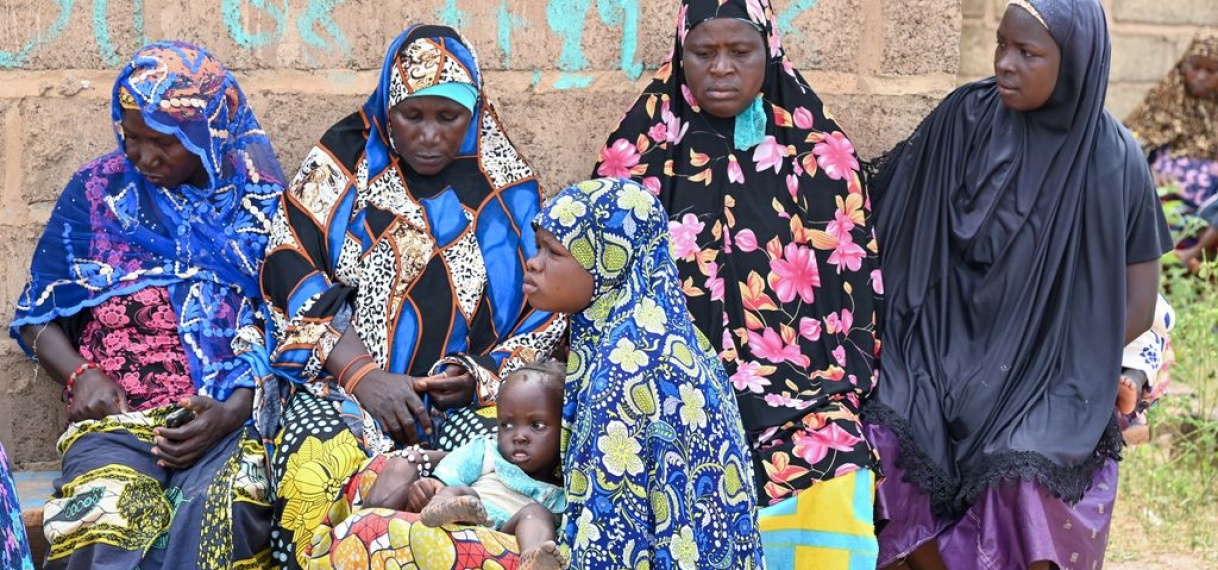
(562, 72)
(1148, 37)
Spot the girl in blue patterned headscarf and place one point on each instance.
(656, 467)
(144, 278)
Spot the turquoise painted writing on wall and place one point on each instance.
(313, 21)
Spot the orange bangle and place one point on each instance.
(359, 375)
(343, 372)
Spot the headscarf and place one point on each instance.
(1005, 239)
(635, 351)
(407, 259)
(775, 250)
(1169, 116)
(113, 232)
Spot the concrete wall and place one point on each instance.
(563, 71)
(1148, 37)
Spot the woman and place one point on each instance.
(146, 271)
(1021, 236)
(14, 546)
(654, 456)
(379, 279)
(771, 232)
(1176, 125)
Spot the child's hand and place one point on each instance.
(421, 492)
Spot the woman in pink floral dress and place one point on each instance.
(771, 230)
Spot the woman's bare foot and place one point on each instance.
(546, 556)
(454, 510)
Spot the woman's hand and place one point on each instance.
(450, 389)
(95, 396)
(392, 401)
(181, 447)
(421, 492)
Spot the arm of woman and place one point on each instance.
(94, 395)
(463, 379)
(1141, 294)
(307, 294)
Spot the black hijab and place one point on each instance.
(1005, 237)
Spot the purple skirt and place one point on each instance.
(1009, 526)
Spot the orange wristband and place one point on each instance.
(359, 375)
(343, 372)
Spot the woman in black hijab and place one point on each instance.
(1020, 238)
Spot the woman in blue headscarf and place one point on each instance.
(394, 282)
(1020, 240)
(139, 289)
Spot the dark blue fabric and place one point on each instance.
(113, 232)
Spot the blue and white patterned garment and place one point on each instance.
(14, 545)
(113, 232)
(655, 464)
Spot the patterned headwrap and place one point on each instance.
(113, 232)
(1170, 116)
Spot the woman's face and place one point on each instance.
(161, 158)
(553, 280)
(1027, 61)
(428, 131)
(1201, 77)
(724, 62)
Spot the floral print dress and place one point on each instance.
(775, 250)
(655, 462)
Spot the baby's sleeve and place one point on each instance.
(463, 466)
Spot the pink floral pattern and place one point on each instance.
(134, 339)
(776, 255)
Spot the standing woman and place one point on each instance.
(1021, 241)
(1177, 124)
(394, 280)
(771, 231)
(146, 271)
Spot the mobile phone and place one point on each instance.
(179, 418)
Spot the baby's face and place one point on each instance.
(530, 423)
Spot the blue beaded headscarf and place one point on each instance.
(113, 232)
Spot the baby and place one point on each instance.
(1144, 374)
(509, 481)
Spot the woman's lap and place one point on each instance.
(370, 538)
(324, 472)
(1009, 526)
(115, 508)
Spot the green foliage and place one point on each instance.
(1170, 486)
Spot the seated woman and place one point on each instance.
(1176, 126)
(147, 268)
(771, 229)
(394, 280)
